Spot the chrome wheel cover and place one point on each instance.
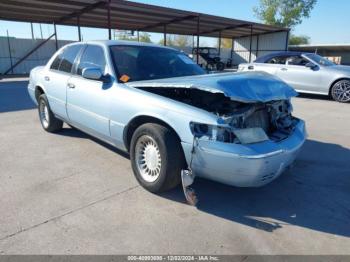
(148, 159)
(341, 91)
(44, 114)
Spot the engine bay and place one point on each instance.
(273, 117)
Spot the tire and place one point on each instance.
(220, 66)
(47, 119)
(340, 91)
(157, 149)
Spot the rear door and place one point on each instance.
(56, 79)
(300, 77)
(88, 100)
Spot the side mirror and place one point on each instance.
(311, 65)
(95, 73)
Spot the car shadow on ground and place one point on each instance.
(73, 132)
(314, 194)
(14, 96)
(314, 96)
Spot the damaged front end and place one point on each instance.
(255, 137)
(246, 123)
(238, 122)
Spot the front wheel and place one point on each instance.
(340, 91)
(47, 119)
(156, 157)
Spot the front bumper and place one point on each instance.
(250, 165)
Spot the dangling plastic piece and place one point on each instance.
(187, 179)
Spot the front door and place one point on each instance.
(300, 77)
(88, 100)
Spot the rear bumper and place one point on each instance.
(247, 165)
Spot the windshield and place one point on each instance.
(134, 63)
(319, 60)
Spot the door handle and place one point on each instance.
(250, 67)
(47, 78)
(70, 85)
(284, 69)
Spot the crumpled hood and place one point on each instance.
(245, 87)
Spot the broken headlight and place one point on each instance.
(228, 134)
(213, 132)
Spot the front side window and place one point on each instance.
(136, 63)
(69, 55)
(93, 56)
(319, 59)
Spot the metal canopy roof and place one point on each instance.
(128, 15)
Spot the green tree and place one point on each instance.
(225, 43)
(145, 37)
(285, 13)
(177, 40)
(299, 40)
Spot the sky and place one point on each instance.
(327, 24)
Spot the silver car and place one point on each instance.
(306, 72)
(157, 104)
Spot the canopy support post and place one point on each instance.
(250, 44)
(257, 46)
(9, 48)
(79, 32)
(109, 19)
(219, 43)
(287, 40)
(55, 32)
(232, 48)
(198, 26)
(32, 30)
(164, 33)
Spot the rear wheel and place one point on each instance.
(220, 66)
(340, 91)
(47, 119)
(156, 157)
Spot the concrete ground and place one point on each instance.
(68, 193)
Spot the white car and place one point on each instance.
(306, 73)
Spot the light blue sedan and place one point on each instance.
(157, 104)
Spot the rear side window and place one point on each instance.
(297, 60)
(93, 56)
(281, 60)
(56, 63)
(69, 55)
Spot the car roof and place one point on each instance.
(121, 42)
(264, 58)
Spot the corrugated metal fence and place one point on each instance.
(20, 47)
(261, 45)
